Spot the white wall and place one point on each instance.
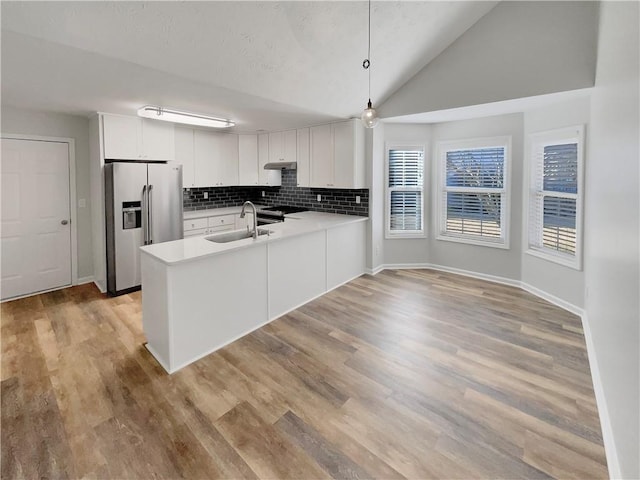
(375, 176)
(507, 55)
(406, 250)
(27, 122)
(611, 233)
(560, 281)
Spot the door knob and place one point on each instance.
(64, 222)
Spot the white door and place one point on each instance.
(36, 230)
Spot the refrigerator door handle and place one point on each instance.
(145, 217)
(150, 213)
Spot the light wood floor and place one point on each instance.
(408, 374)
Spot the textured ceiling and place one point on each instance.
(265, 64)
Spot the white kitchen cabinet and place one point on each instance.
(133, 138)
(302, 172)
(209, 225)
(283, 146)
(120, 137)
(184, 155)
(216, 159)
(248, 173)
(321, 156)
(270, 178)
(308, 269)
(158, 140)
(345, 253)
(337, 155)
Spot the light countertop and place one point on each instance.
(193, 248)
(214, 212)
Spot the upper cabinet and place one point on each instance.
(216, 159)
(269, 178)
(337, 155)
(283, 146)
(185, 155)
(248, 160)
(302, 172)
(133, 138)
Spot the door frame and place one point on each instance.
(71, 142)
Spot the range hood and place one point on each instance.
(281, 166)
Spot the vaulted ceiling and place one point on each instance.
(267, 65)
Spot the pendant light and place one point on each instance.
(369, 116)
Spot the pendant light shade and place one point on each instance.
(370, 116)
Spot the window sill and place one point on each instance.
(403, 236)
(559, 258)
(474, 241)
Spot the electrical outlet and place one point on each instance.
(357, 198)
(377, 250)
(206, 195)
(263, 193)
(82, 203)
(319, 198)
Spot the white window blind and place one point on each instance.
(405, 191)
(473, 191)
(555, 197)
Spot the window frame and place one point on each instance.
(443, 147)
(537, 140)
(404, 234)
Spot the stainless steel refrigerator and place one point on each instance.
(143, 204)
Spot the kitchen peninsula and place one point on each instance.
(199, 295)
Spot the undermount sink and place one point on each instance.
(236, 235)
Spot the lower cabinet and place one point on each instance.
(190, 309)
(209, 225)
(297, 271)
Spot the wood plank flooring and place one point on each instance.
(409, 374)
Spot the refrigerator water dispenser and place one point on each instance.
(131, 215)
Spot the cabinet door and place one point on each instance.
(290, 146)
(303, 157)
(120, 136)
(158, 140)
(321, 155)
(206, 149)
(184, 155)
(276, 152)
(343, 154)
(269, 178)
(248, 160)
(228, 160)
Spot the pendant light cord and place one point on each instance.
(367, 61)
(369, 51)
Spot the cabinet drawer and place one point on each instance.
(221, 228)
(194, 224)
(222, 220)
(195, 233)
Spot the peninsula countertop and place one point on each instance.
(193, 248)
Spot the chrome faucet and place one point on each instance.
(255, 217)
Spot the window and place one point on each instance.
(405, 191)
(555, 195)
(473, 203)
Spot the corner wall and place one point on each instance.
(612, 258)
(558, 280)
(27, 122)
(496, 262)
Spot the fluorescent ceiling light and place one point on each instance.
(176, 116)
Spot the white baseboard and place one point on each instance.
(100, 286)
(84, 280)
(603, 412)
(374, 270)
(570, 307)
(481, 276)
